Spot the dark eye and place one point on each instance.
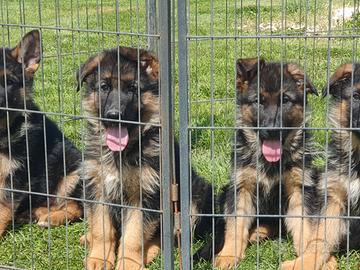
(10, 81)
(104, 86)
(286, 99)
(356, 96)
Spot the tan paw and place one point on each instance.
(288, 265)
(85, 239)
(260, 233)
(97, 264)
(152, 250)
(226, 262)
(54, 218)
(302, 263)
(331, 264)
(129, 264)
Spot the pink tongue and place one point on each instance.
(117, 139)
(271, 150)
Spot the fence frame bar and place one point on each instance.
(166, 131)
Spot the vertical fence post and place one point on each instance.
(151, 21)
(184, 137)
(166, 131)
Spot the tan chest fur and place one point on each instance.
(249, 177)
(7, 167)
(126, 183)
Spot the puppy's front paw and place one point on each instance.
(290, 265)
(308, 262)
(260, 233)
(52, 218)
(127, 263)
(331, 264)
(85, 239)
(226, 262)
(97, 264)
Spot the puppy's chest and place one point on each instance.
(354, 192)
(129, 183)
(267, 182)
(287, 178)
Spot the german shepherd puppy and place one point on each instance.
(31, 145)
(122, 159)
(273, 156)
(341, 183)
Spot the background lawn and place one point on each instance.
(305, 27)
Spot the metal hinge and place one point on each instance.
(175, 192)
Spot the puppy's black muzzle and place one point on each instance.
(273, 134)
(113, 115)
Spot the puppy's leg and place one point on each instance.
(101, 238)
(5, 217)
(61, 210)
(262, 232)
(152, 249)
(325, 236)
(318, 251)
(137, 230)
(69, 212)
(299, 228)
(237, 231)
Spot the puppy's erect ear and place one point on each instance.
(86, 69)
(343, 72)
(299, 76)
(28, 51)
(148, 61)
(246, 70)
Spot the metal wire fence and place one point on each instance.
(210, 56)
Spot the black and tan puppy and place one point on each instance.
(122, 163)
(340, 185)
(270, 151)
(31, 145)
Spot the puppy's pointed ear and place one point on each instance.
(299, 76)
(28, 51)
(246, 70)
(343, 72)
(148, 61)
(86, 69)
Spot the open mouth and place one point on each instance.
(271, 149)
(117, 138)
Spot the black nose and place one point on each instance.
(113, 114)
(269, 134)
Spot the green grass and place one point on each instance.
(211, 77)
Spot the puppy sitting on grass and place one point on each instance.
(339, 186)
(122, 160)
(270, 156)
(34, 155)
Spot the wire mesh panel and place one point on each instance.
(268, 117)
(86, 135)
